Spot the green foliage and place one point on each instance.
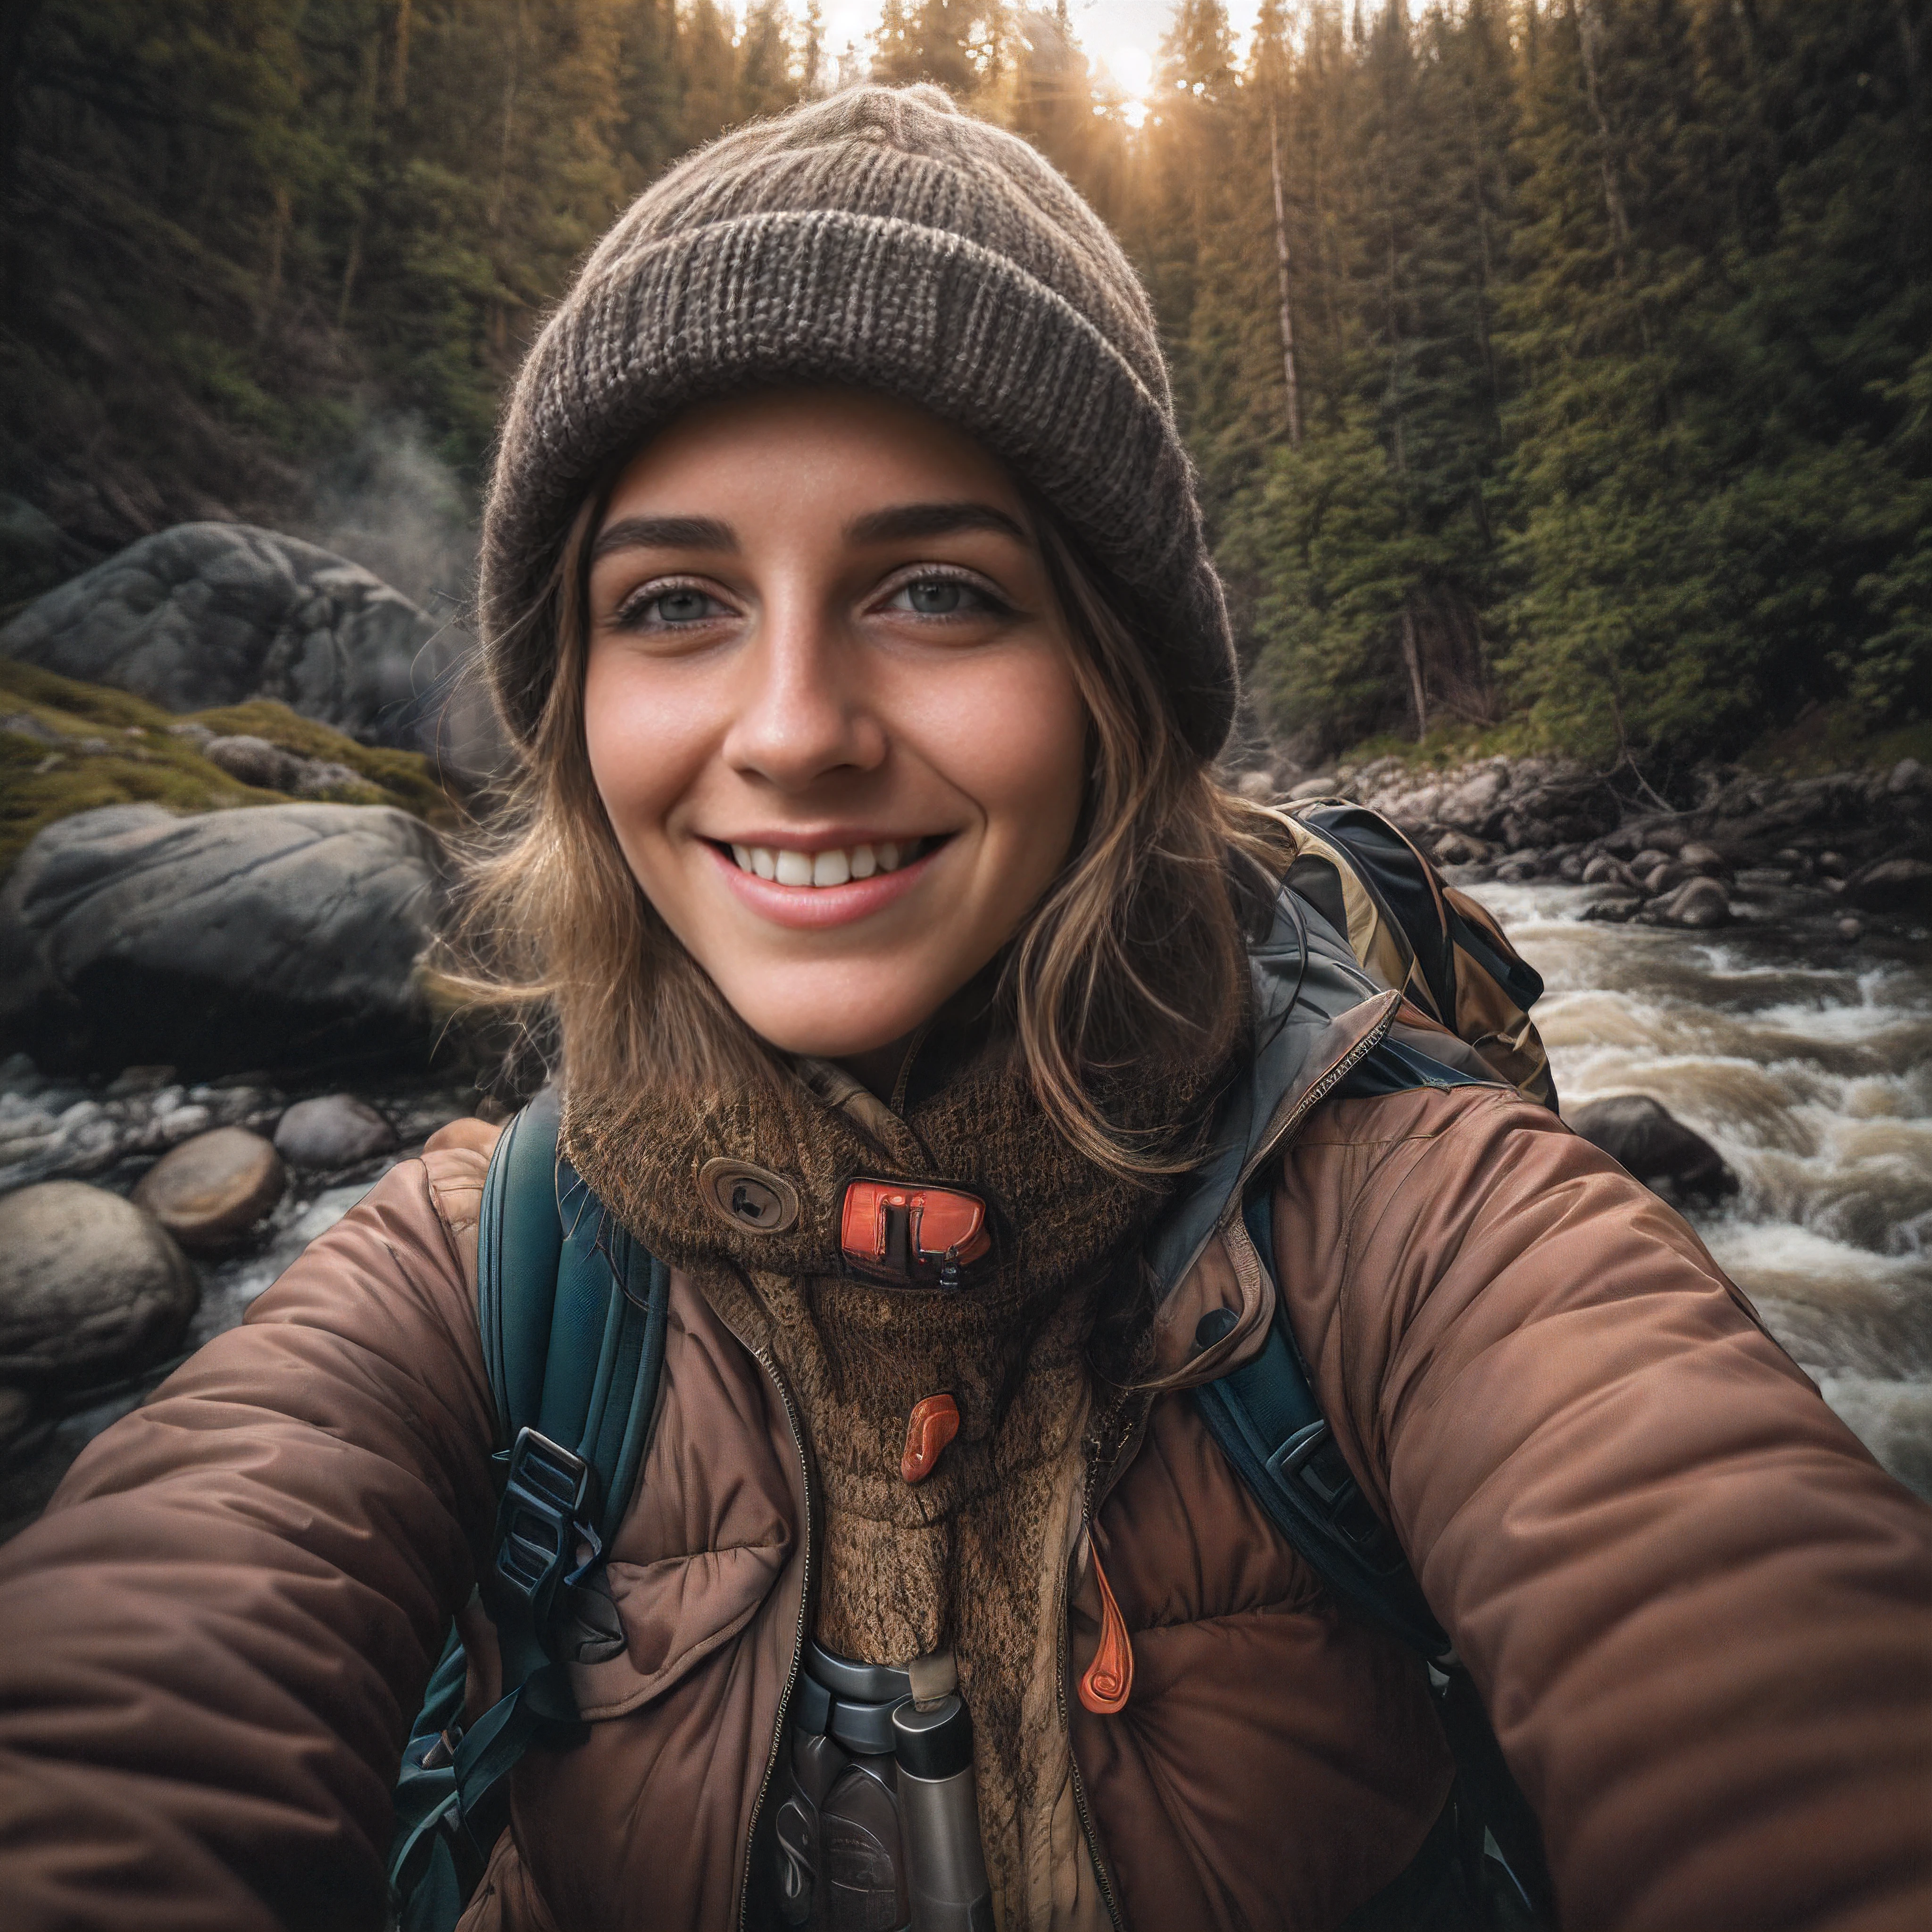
(66, 747)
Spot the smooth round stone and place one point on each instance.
(211, 1191)
(92, 1288)
(1670, 1159)
(335, 1130)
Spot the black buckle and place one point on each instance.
(546, 1511)
(1311, 1458)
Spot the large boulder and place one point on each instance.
(286, 937)
(210, 614)
(91, 1287)
(1672, 1160)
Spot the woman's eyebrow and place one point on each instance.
(664, 533)
(905, 520)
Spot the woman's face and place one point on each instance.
(830, 708)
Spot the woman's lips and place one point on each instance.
(813, 907)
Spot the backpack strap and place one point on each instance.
(1269, 1423)
(572, 1314)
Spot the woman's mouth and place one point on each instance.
(833, 886)
(835, 865)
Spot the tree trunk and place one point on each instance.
(399, 83)
(1411, 658)
(1281, 259)
(1589, 30)
(278, 236)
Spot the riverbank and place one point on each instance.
(1846, 847)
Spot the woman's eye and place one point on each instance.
(939, 597)
(682, 604)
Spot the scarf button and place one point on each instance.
(752, 1199)
(933, 1423)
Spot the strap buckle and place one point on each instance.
(1311, 1459)
(549, 1502)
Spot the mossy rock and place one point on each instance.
(66, 747)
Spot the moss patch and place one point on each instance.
(66, 747)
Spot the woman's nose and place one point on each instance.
(803, 712)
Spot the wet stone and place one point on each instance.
(1698, 903)
(92, 1287)
(214, 1190)
(1658, 1149)
(336, 1130)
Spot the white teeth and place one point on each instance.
(833, 867)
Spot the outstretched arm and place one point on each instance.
(216, 1637)
(1697, 1609)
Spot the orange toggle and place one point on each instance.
(932, 1425)
(1107, 1681)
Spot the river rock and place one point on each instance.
(208, 614)
(1899, 886)
(1698, 903)
(336, 1130)
(283, 936)
(1458, 848)
(1697, 856)
(1668, 1157)
(92, 1287)
(212, 1192)
(1907, 776)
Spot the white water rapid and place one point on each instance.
(1808, 1065)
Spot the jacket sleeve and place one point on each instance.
(216, 1637)
(1697, 1608)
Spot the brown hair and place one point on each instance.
(1135, 955)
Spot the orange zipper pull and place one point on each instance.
(932, 1425)
(1106, 1682)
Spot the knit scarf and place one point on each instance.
(973, 1557)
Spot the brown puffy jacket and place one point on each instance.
(1696, 1609)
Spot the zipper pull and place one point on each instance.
(1106, 1682)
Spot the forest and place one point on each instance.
(1559, 372)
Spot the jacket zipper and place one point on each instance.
(1316, 1092)
(797, 1428)
(1312, 1096)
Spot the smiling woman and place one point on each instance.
(839, 709)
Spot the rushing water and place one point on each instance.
(1808, 1064)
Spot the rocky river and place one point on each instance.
(1807, 1064)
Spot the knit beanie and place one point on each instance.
(879, 239)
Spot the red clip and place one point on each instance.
(933, 1423)
(1106, 1683)
(906, 1232)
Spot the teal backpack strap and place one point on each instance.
(572, 1315)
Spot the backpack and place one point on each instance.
(572, 1313)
